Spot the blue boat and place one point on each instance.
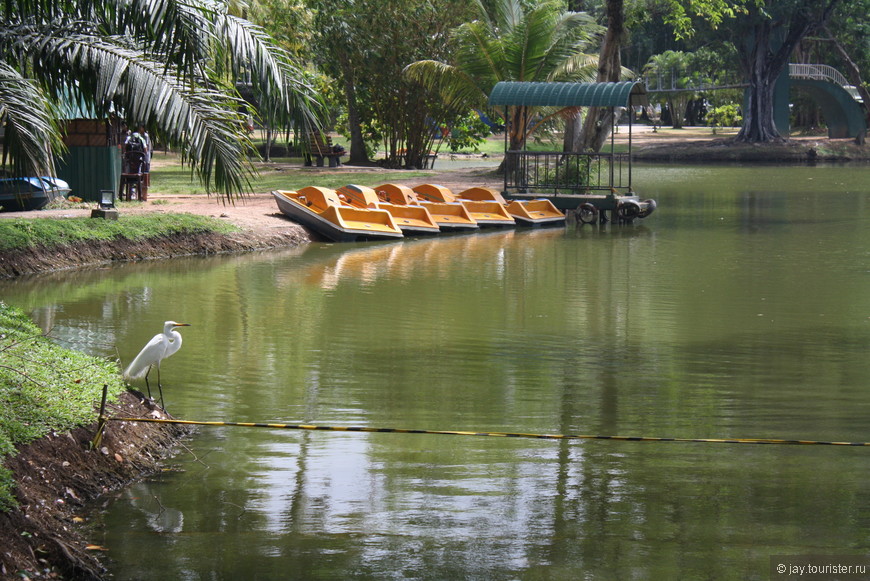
(24, 194)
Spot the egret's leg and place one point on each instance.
(160, 387)
(148, 385)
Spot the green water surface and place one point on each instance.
(741, 308)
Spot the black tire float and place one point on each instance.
(647, 208)
(628, 210)
(586, 213)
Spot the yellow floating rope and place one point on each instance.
(366, 429)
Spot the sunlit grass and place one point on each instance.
(20, 233)
(169, 177)
(44, 388)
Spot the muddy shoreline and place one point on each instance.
(58, 478)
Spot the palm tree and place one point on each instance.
(512, 41)
(172, 65)
(676, 68)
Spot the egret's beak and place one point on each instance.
(182, 324)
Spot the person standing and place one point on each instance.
(146, 163)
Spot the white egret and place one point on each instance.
(161, 346)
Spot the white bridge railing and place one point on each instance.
(673, 81)
(817, 72)
(822, 73)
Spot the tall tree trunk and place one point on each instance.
(598, 122)
(358, 153)
(763, 65)
(517, 122)
(573, 129)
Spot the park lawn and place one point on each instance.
(169, 177)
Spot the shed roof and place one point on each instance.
(619, 94)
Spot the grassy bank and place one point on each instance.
(169, 177)
(25, 233)
(44, 388)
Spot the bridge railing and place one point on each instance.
(817, 72)
(676, 80)
(566, 173)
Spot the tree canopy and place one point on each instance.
(168, 64)
(511, 41)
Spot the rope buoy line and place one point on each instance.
(488, 434)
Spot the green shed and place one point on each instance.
(93, 159)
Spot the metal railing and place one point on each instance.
(677, 80)
(566, 173)
(817, 72)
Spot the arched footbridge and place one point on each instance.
(840, 102)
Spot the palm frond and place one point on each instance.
(506, 15)
(203, 118)
(480, 52)
(458, 90)
(579, 68)
(170, 64)
(245, 53)
(30, 130)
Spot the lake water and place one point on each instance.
(740, 309)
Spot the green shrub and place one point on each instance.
(725, 116)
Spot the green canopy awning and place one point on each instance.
(620, 94)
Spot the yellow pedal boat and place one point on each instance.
(321, 210)
(411, 219)
(540, 212)
(449, 216)
(485, 213)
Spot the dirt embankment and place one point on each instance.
(257, 216)
(57, 476)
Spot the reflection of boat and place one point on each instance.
(321, 210)
(411, 219)
(485, 213)
(539, 212)
(449, 216)
(22, 194)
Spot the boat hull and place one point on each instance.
(489, 214)
(451, 217)
(25, 194)
(411, 219)
(486, 213)
(537, 212)
(337, 223)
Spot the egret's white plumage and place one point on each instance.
(158, 348)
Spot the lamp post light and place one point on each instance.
(107, 199)
(106, 207)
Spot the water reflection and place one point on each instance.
(734, 311)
